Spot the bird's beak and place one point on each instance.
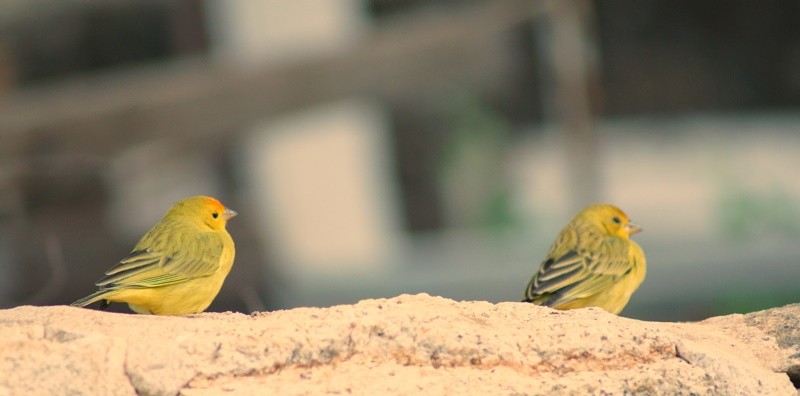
(633, 228)
(228, 214)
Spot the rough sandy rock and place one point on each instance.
(405, 345)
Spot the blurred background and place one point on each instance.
(380, 147)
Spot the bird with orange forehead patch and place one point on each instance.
(178, 267)
(592, 263)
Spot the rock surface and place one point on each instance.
(411, 344)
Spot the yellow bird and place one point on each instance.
(593, 263)
(178, 267)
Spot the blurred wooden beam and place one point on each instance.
(198, 99)
(569, 46)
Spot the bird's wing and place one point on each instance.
(152, 267)
(577, 274)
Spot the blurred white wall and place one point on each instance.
(322, 182)
(678, 174)
(319, 180)
(247, 32)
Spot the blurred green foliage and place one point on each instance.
(473, 169)
(757, 214)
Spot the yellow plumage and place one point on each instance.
(593, 263)
(178, 267)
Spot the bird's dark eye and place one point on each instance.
(615, 219)
(215, 215)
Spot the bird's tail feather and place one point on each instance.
(92, 298)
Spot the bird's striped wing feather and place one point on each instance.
(136, 260)
(154, 268)
(576, 275)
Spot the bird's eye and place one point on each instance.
(215, 215)
(615, 219)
